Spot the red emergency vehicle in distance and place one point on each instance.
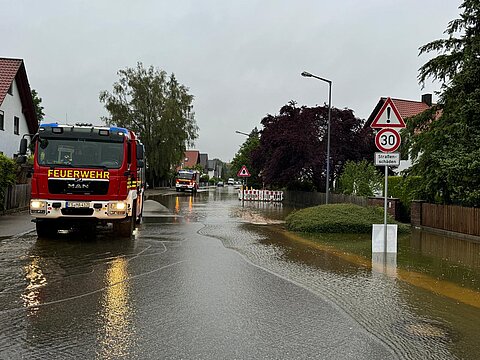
(187, 180)
(84, 175)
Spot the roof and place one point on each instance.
(192, 158)
(14, 69)
(204, 159)
(406, 108)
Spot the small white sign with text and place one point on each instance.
(387, 159)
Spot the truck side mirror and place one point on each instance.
(21, 159)
(140, 164)
(140, 151)
(23, 147)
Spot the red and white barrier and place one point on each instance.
(260, 195)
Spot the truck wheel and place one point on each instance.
(139, 220)
(125, 228)
(46, 229)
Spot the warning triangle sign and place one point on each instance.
(388, 117)
(243, 172)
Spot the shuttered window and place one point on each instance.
(16, 125)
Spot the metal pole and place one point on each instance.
(385, 194)
(329, 82)
(328, 140)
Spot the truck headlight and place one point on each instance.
(38, 207)
(117, 207)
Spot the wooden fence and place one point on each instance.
(458, 219)
(16, 197)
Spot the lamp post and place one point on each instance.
(242, 133)
(329, 82)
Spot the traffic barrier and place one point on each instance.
(260, 195)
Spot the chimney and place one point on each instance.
(427, 99)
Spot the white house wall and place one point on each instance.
(12, 106)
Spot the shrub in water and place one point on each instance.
(338, 218)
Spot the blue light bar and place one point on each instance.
(49, 125)
(119, 129)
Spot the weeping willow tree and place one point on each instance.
(158, 108)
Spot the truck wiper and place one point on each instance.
(98, 167)
(53, 166)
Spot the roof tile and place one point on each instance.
(409, 108)
(8, 71)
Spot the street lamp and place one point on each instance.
(240, 132)
(329, 82)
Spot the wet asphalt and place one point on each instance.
(174, 291)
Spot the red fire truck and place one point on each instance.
(85, 175)
(187, 180)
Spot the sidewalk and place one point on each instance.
(16, 223)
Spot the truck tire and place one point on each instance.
(139, 220)
(125, 228)
(46, 229)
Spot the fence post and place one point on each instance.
(416, 213)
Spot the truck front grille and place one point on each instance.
(77, 212)
(77, 186)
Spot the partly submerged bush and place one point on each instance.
(338, 218)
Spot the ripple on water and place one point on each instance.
(373, 299)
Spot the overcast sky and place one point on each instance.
(240, 59)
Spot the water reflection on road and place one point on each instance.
(109, 298)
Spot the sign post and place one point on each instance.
(387, 141)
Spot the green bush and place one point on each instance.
(213, 180)
(360, 178)
(8, 176)
(406, 189)
(338, 218)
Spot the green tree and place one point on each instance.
(8, 171)
(444, 142)
(244, 157)
(293, 144)
(158, 108)
(360, 178)
(37, 103)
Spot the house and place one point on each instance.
(17, 112)
(204, 162)
(190, 159)
(406, 109)
(215, 169)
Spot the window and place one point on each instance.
(16, 125)
(2, 120)
(10, 89)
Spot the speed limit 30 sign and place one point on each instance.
(387, 140)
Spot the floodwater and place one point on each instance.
(177, 290)
(424, 302)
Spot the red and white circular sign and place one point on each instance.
(387, 140)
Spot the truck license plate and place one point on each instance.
(77, 204)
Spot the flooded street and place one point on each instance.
(209, 278)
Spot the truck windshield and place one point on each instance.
(80, 153)
(188, 176)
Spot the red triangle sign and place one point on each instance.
(243, 172)
(388, 117)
